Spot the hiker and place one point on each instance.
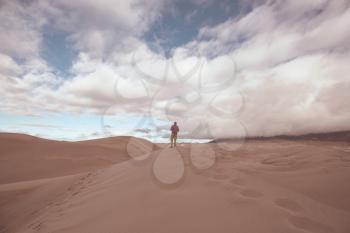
(174, 129)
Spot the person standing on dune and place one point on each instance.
(174, 129)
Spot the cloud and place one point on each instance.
(8, 66)
(285, 63)
(143, 131)
(42, 126)
(280, 68)
(100, 27)
(20, 29)
(97, 30)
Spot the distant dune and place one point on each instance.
(128, 185)
(341, 136)
(25, 157)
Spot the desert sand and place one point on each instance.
(129, 185)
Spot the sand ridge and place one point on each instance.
(273, 186)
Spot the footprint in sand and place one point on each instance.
(288, 204)
(202, 156)
(309, 225)
(82, 184)
(3, 229)
(76, 193)
(229, 188)
(250, 193)
(278, 161)
(212, 182)
(219, 171)
(216, 175)
(344, 158)
(237, 181)
(220, 177)
(225, 158)
(36, 226)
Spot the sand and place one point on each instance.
(269, 186)
(24, 157)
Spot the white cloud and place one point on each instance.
(286, 66)
(20, 29)
(102, 27)
(8, 67)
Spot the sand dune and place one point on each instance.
(25, 157)
(270, 186)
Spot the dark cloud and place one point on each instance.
(144, 131)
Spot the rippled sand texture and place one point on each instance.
(264, 186)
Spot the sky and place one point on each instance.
(75, 70)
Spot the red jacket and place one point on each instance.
(174, 129)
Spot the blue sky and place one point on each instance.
(75, 70)
(181, 23)
(57, 51)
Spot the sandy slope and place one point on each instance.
(25, 157)
(271, 186)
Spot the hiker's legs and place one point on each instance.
(175, 137)
(171, 140)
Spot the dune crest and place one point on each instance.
(280, 186)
